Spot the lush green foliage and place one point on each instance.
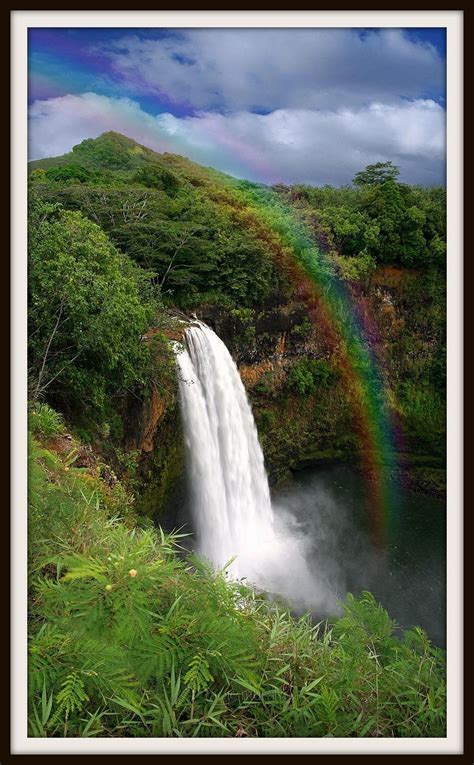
(69, 174)
(386, 221)
(88, 309)
(173, 216)
(308, 374)
(378, 173)
(127, 638)
(167, 214)
(424, 410)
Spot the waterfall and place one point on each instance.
(231, 498)
(231, 506)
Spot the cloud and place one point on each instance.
(268, 69)
(57, 124)
(288, 145)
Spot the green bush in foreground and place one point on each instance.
(127, 638)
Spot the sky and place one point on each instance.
(271, 105)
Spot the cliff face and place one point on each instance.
(298, 424)
(153, 432)
(154, 437)
(301, 409)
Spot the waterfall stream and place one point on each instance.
(231, 504)
(231, 498)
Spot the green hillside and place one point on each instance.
(165, 212)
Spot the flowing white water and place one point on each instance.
(231, 503)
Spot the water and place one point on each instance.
(312, 543)
(329, 507)
(230, 497)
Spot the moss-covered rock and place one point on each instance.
(161, 470)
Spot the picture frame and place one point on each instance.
(456, 746)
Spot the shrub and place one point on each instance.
(266, 386)
(306, 375)
(69, 174)
(303, 329)
(157, 178)
(424, 410)
(45, 421)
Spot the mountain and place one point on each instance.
(116, 152)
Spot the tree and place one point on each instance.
(351, 230)
(89, 305)
(378, 173)
(69, 174)
(157, 178)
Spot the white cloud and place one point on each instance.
(57, 124)
(289, 145)
(268, 69)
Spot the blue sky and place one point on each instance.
(291, 105)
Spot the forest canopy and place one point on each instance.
(138, 233)
(175, 218)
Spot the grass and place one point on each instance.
(45, 421)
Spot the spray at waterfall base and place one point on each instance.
(231, 507)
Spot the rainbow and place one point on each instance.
(331, 306)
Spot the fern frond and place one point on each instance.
(198, 676)
(71, 698)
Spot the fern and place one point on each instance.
(327, 705)
(71, 698)
(85, 569)
(198, 676)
